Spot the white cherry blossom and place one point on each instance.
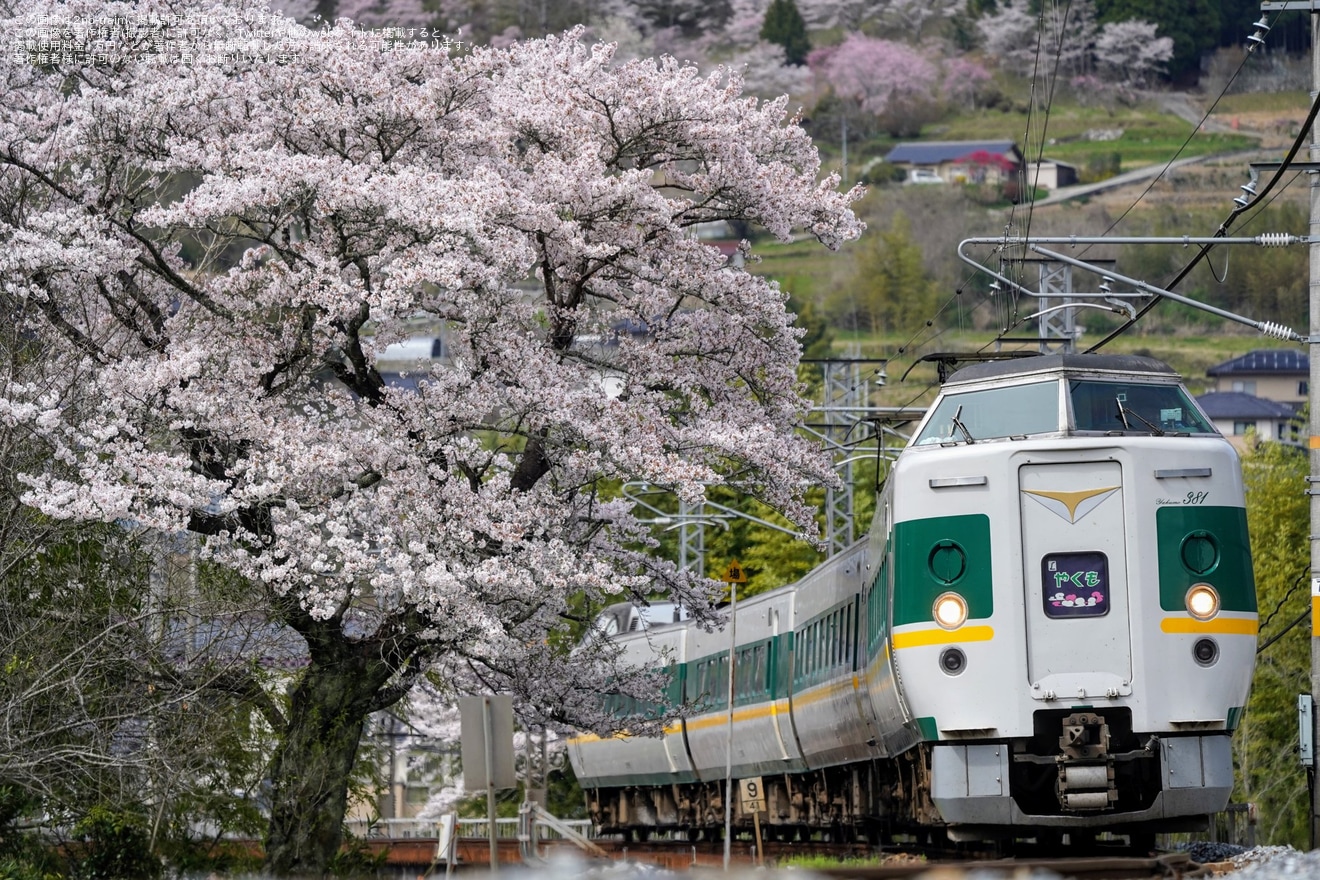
(216, 224)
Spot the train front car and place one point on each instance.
(1073, 616)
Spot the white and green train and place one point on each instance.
(1050, 629)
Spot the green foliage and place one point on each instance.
(112, 844)
(1100, 166)
(564, 798)
(784, 26)
(817, 341)
(356, 858)
(770, 557)
(890, 287)
(883, 172)
(23, 855)
(1261, 283)
(1266, 742)
(819, 861)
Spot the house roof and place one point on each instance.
(935, 152)
(1239, 405)
(1265, 361)
(1057, 163)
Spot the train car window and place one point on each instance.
(1010, 411)
(831, 641)
(841, 636)
(1075, 584)
(836, 638)
(1136, 407)
(798, 656)
(817, 645)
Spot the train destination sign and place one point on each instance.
(1075, 584)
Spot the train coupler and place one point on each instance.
(1086, 770)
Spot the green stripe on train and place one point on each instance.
(926, 564)
(1203, 544)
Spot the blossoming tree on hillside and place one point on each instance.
(216, 254)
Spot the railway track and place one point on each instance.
(1172, 866)
(856, 861)
(866, 864)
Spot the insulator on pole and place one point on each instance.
(1276, 330)
(1258, 38)
(1275, 239)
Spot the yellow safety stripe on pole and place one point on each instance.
(1315, 607)
(1314, 442)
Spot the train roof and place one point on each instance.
(1061, 363)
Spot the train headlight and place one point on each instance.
(950, 610)
(1205, 652)
(1202, 601)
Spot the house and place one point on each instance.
(1234, 413)
(994, 162)
(1279, 374)
(1051, 174)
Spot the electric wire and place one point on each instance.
(1223, 227)
(1283, 632)
(1053, 82)
(1301, 579)
(1009, 326)
(1009, 319)
(1223, 92)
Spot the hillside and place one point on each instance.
(1143, 198)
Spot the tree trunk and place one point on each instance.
(311, 767)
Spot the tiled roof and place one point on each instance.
(1239, 405)
(934, 152)
(1265, 361)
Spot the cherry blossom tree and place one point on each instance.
(1129, 52)
(384, 13)
(889, 80)
(746, 18)
(917, 18)
(964, 79)
(766, 73)
(363, 13)
(217, 222)
(1057, 39)
(847, 15)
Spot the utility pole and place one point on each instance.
(1312, 339)
(1313, 443)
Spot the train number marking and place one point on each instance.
(1190, 498)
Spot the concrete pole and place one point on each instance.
(1314, 439)
(488, 727)
(728, 739)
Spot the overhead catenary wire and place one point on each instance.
(1008, 318)
(1182, 147)
(1016, 321)
(1222, 231)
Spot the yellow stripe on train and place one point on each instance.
(918, 638)
(1227, 626)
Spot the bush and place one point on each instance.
(111, 845)
(1101, 166)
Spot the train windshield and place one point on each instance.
(1008, 411)
(1134, 407)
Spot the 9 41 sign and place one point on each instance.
(753, 795)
